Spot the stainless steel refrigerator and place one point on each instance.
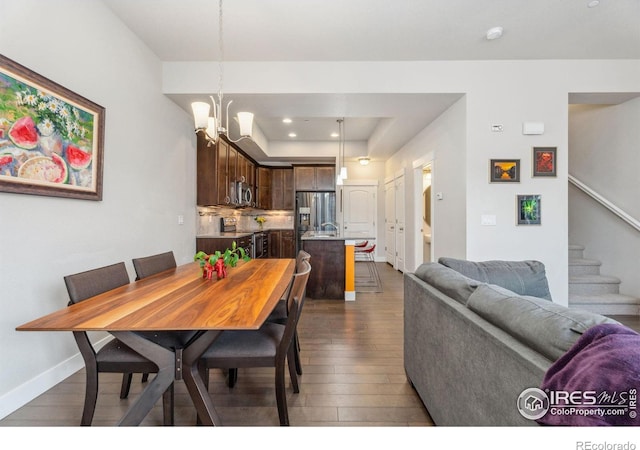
(315, 211)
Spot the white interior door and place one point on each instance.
(390, 223)
(360, 210)
(400, 196)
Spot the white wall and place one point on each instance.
(603, 153)
(443, 142)
(149, 179)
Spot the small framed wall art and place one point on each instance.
(529, 212)
(544, 161)
(505, 170)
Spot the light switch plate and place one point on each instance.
(488, 220)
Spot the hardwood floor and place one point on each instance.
(353, 376)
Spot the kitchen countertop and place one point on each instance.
(332, 236)
(230, 235)
(236, 234)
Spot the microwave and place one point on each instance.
(244, 194)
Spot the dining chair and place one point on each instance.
(280, 315)
(113, 357)
(280, 312)
(151, 265)
(269, 346)
(145, 267)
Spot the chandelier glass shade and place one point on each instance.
(212, 125)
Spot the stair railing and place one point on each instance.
(635, 223)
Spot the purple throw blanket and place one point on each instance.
(597, 381)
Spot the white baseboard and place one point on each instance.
(23, 394)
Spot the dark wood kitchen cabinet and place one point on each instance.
(212, 172)
(314, 178)
(218, 166)
(287, 244)
(282, 244)
(211, 245)
(263, 188)
(282, 193)
(327, 279)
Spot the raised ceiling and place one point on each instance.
(375, 30)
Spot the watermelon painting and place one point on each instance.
(23, 133)
(51, 139)
(7, 164)
(77, 158)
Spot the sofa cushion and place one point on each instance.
(521, 277)
(448, 281)
(547, 327)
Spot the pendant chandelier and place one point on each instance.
(212, 125)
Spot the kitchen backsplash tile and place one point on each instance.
(208, 219)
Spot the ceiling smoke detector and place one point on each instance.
(494, 33)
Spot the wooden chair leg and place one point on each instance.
(126, 385)
(90, 396)
(281, 396)
(292, 369)
(296, 342)
(168, 407)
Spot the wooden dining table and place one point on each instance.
(176, 300)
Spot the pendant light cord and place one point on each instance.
(220, 52)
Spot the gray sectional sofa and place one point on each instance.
(476, 334)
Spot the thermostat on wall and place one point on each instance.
(533, 128)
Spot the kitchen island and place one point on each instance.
(333, 264)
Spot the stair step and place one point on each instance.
(576, 251)
(593, 285)
(606, 304)
(582, 266)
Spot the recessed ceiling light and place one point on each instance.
(494, 33)
(593, 4)
(334, 135)
(292, 135)
(286, 120)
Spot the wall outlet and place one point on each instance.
(180, 219)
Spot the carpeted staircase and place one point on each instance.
(594, 292)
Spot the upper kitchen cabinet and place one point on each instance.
(314, 178)
(218, 168)
(282, 193)
(212, 172)
(245, 170)
(263, 188)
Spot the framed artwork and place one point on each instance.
(505, 170)
(529, 210)
(51, 139)
(544, 161)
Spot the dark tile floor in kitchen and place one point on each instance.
(353, 376)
